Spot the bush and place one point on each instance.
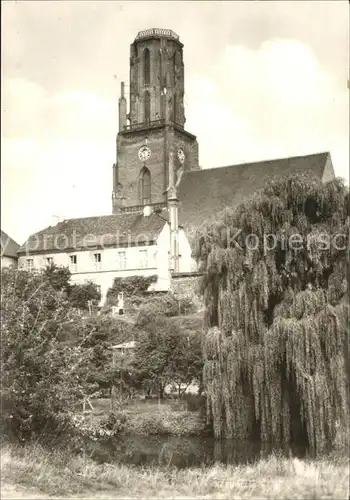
(150, 425)
(115, 422)
(168, 305)
(130, 286)
(112, 330)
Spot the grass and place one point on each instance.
(147, 418)
(32, 472)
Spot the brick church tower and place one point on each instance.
(152, 138)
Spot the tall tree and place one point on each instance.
(165, 354)
(79, 295)
(40, 378)
(277, 315)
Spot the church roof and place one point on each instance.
(204, 193)
(96, 232)
(8, 246)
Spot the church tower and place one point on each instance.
(153, 130)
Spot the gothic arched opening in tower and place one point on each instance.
(145, 186)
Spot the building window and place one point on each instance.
(30, 264)
(49, 261)
(143, 258)
(146, 67)
(73, 263)
(147, 106)
(97, 261)
(121, 260)
(145, 186)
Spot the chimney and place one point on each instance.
(122, 108)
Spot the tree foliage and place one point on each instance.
(79, 295)
(166, 304)
(58, 277)
(96, 338)
(277, 315)
(130, 286)
(52, 358)
(167, 355)
(40, 375)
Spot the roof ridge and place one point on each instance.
(8, 237)
(97, 217)
(202, 195)
(259, 162)
(111, 230)
(9, 246)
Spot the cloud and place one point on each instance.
(28, 111)
(274, 101)
(57, 154)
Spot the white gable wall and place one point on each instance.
(328, 173)
(186, 262)
(163, 259)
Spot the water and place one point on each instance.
(181, 452)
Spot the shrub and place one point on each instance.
(115, 422)
(109, 329)
(130, 286)
(168, 305)
(150, 425)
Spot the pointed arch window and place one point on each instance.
(147, 106)
(146, 67)
(145, 186)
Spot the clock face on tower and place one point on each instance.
(144, 153)
(181, 155)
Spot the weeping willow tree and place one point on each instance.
(276, 359)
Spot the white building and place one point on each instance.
(100, 249)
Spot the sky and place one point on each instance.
(263, 80)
